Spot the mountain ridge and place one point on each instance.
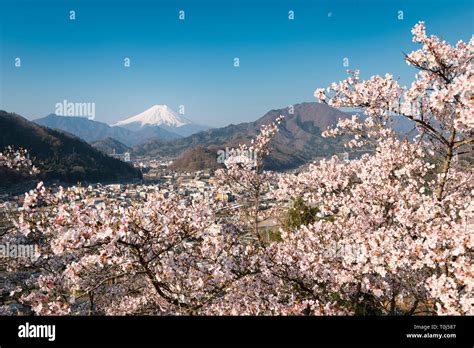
(298, 141)
(110, 145)
(91, 131)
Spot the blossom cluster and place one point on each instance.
(441, 92)
(17, 159)
(406, 247)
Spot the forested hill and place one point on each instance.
(60, 155)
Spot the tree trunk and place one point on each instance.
(446, 165)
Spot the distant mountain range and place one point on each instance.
(93, 131)
(157, 122)
(298, 141)
(150, 133)
(60, 155)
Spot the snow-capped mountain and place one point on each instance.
(164, 117)
(157, 115)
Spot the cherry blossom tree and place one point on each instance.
(246, 178)
(438, 101)
(392, 232)
(163, 256)
(383, 243)
(17, 159)
(400, 232)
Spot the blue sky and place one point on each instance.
(190, 62)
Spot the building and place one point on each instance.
(121, 156)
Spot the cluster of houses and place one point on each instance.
(192, 186)
(121, 156)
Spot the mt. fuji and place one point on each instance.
(164, 117)
(157, 115)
